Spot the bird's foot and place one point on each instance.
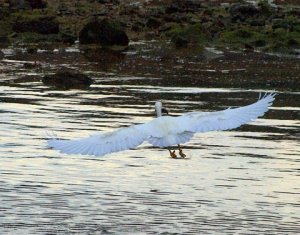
(172, 154)
(182, 155)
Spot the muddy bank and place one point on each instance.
(184, 67)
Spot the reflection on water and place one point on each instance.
(245, 180)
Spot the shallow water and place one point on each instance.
(243, 181)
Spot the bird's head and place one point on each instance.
(160, 110)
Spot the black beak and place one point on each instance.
(164, 111)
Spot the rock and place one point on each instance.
(105, 32)
(138, 26)
(63, 10)
(27, 4)
(67, 79)
(180, 41)
(19, 4)
(293, 43)
(243, 11)
(183, 6)
(4, 41)
(37, 4)
(1, 55)
(27, 78)
(260, 43)
(153, 23)
(109, 1)
(248, 48)
(31, 65)
(42, 25)
(192, 35)
(257, 22)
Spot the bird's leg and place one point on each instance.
(182, 155)
(172, 153)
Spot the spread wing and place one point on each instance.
(101, 144)
(227, 119)
(164, 131)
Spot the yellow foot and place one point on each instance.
(172, 154)
(182, 155)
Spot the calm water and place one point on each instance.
(244, 181)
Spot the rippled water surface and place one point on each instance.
(243, 181)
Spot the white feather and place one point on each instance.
(164, 131)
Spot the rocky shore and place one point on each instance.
(272, 26)
(205, 43)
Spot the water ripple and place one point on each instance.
(243, 181)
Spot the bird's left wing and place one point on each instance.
(101, 144)
(226, 119)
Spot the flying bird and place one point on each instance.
(164, 131)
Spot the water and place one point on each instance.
(244, 181)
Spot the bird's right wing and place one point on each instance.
(227, 119)
(101, 144)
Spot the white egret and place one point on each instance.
(164, 131)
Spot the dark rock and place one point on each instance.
(63, 10)
(183, 6)
(67, 79)
(29, 65)
(138, 26)
(260, 43)
(4, 41)
(1, 55)
(27, 78)
(258, 22)
(178, 18)
(108, 1)
(180, 41)
(248, 47)
(32, 50)
(27, 4)
(293, 43)
(42, 25)
(153, 23)
(19, 4)
(37, 4)
(243, 11)
(105, 32)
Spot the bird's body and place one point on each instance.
(164, 131)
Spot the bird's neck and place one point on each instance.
(158, 107)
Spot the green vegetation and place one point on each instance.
(264, 28)
(183, 36)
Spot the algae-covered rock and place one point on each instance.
(105, 32)
(67, 79)
(183, 6)
(183, 36)
(180, 40)
(242, 11)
